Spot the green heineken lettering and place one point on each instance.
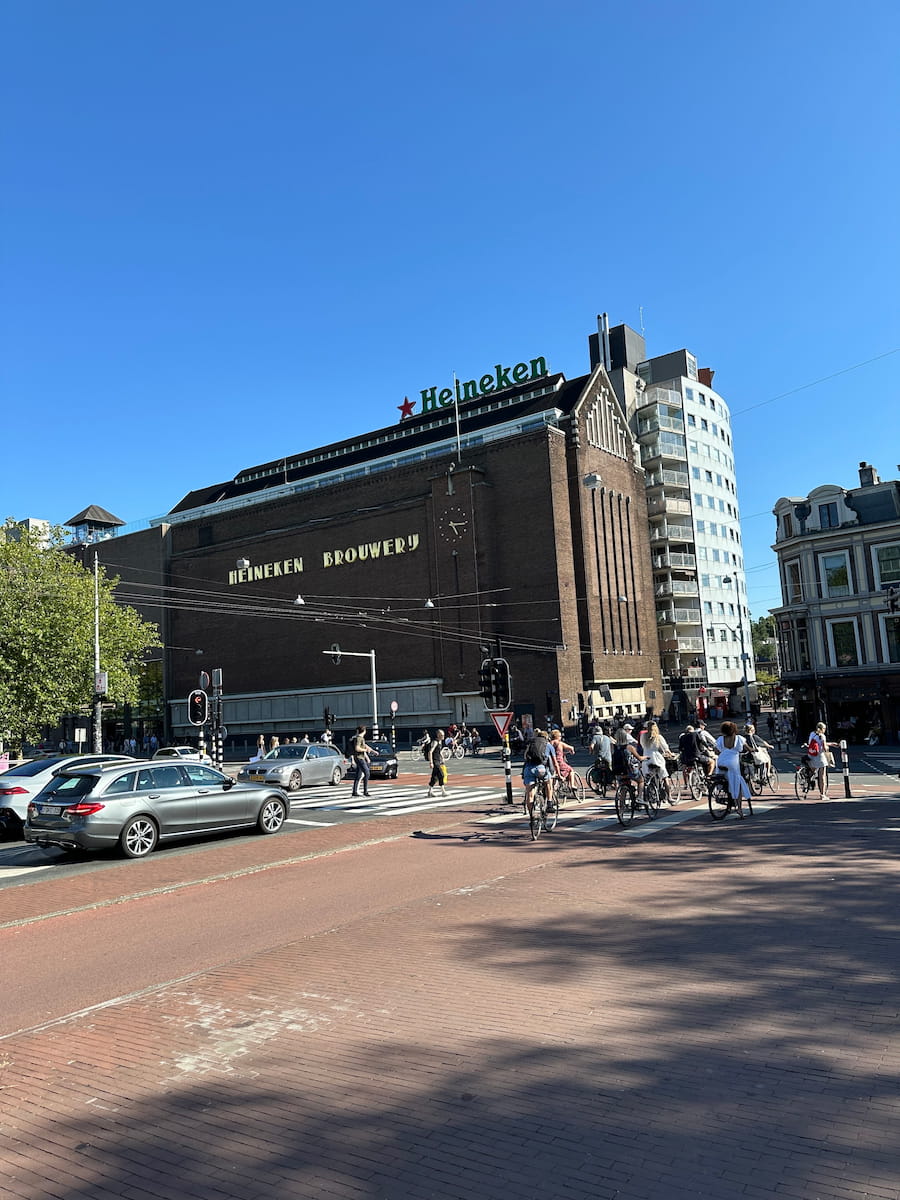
(471, 389)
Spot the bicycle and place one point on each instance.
(544, 809)
(571, 788)
(805, 779)
(599, 777)
(720, 800)
(628, 801)
(694, 780)
(760, 775)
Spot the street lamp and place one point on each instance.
(726, 579)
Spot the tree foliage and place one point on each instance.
(762, 635)
(47, 634)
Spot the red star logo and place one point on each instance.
(406, 408)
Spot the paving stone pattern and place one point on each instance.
(713, 1014)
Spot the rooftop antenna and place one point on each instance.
(641, 312)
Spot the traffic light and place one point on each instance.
(198, 707)
(486, 680)
(501, 689)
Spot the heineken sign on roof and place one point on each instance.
(472, 389)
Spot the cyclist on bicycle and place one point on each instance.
(656, 752)
(560, 750)
(689, 752)
(537, 754)
(626, 760)
(706, 747)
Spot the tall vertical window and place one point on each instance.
(835, 575)
(828, 516)
(787, 525)
(887, 564)
(892, 639)
(794, 582)
(844, 644)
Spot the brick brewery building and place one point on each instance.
(506, 515)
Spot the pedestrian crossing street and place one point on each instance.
(390, 799)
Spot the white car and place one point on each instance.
(183, 754)
(19, 785)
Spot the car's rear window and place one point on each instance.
(69, 787)
(35, 767)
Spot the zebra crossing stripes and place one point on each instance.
(387, 800)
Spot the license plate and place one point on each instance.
(49, 810)
(258, 777)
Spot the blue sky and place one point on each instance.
(233, 231)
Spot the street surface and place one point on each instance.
(398, 1001)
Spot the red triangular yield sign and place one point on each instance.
(502, 721)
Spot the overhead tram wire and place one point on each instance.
(815, 382)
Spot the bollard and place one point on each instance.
(845, 768)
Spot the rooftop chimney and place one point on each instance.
(868, 476)
(705, 375)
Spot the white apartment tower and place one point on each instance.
(683, 428)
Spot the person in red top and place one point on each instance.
(560, 749)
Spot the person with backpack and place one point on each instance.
(818, 750)
(538, 754)
(626, 759)
(438, 766)
(706, 748)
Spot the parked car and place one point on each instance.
(137, 806)
(297, 765)
(382, 764)
(20, 784)
(183, 754)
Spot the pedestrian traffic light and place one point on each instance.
(198, 707)
(486, 680)
(500, 683)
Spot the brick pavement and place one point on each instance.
(707, 1014)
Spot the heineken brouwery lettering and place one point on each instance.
(471, 389)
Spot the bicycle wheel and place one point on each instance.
(772, 780)
(718, 799)
(696, 782)
(675, 787)
(551, 814)
(594, 780)
(802, 783)
(576, 784)
(446, 754)
(562, 792)
(625, 799)
(538, 808)
(459, 751)
(652, 797)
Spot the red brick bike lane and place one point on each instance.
(457, 1012)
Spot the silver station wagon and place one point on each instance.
(297, 765)
(135, 807)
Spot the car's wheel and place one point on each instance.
(272, 816)
(295, 783)
(336, 776)
(138, 838)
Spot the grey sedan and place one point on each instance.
(136, 807)
(297, 765)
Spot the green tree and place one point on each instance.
(762, 635)
(47, 634)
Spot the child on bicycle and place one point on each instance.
(560, 750)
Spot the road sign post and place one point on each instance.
(502, 720)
